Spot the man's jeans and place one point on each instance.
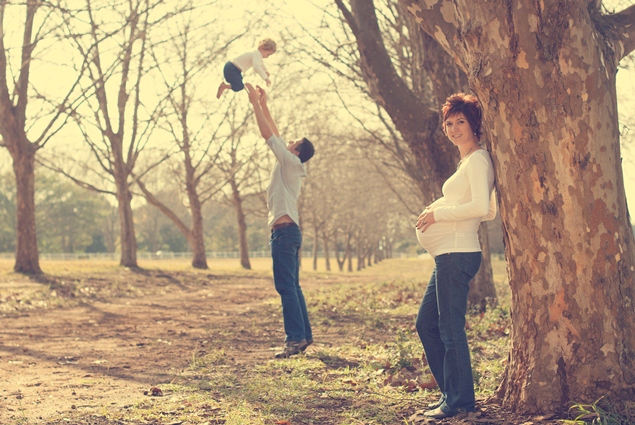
(441, 328)
(285, 246)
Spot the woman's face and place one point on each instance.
(458, 130)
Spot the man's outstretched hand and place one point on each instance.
(254, 94)
(263, 95)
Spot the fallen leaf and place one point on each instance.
(283, 423)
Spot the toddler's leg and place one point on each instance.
(221, 89)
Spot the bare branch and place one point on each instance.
(620, 29)
(165, 210)
(75, 180)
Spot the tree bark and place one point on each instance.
(197, 237)
(127, 236)
(545, 75)
(27, 256)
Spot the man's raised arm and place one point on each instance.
(265, 110)
(264, 124)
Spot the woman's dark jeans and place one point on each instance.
(285, 246)
(441, 328)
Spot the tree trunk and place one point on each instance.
(545, 75)
(482, 290)
(360, 257)
(349, 254)
(340, 263)
(242, 226)
(197, 242)
(26, 256)
(315, 247)
(127, 236)
(325, 243)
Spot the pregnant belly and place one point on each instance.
(434, 236)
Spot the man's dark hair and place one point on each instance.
(305, 150)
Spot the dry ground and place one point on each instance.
(89, 342)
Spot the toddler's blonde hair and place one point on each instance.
(267, 44)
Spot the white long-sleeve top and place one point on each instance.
(468, 198)
(285, 182)
(249, 59)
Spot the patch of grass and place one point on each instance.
(207, 360)
(601, 412)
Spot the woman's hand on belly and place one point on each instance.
(425, 220)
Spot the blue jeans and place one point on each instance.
(285, 247)
(233, 76)
(441, 328)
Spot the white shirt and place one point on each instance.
(468, 198)
(249, 59)
(285, 183)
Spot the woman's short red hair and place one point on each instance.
(468, 105)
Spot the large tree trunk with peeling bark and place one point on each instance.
(545, 75)
(415, 112)
(26, 256)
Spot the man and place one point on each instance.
(286, 238)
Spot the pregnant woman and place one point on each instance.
(447, 229)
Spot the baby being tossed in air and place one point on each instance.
(234, 69)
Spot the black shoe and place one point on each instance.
(308, 342)
(437, 414)
(292, 348)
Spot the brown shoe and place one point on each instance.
(308, 342)
(292, 348)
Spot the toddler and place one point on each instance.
(234, 69)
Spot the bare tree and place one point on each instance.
(191, 122)
(24, 133)
(545, 74)
(116, 98)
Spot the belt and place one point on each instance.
(283, 225)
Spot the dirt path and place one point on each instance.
(108, 350)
